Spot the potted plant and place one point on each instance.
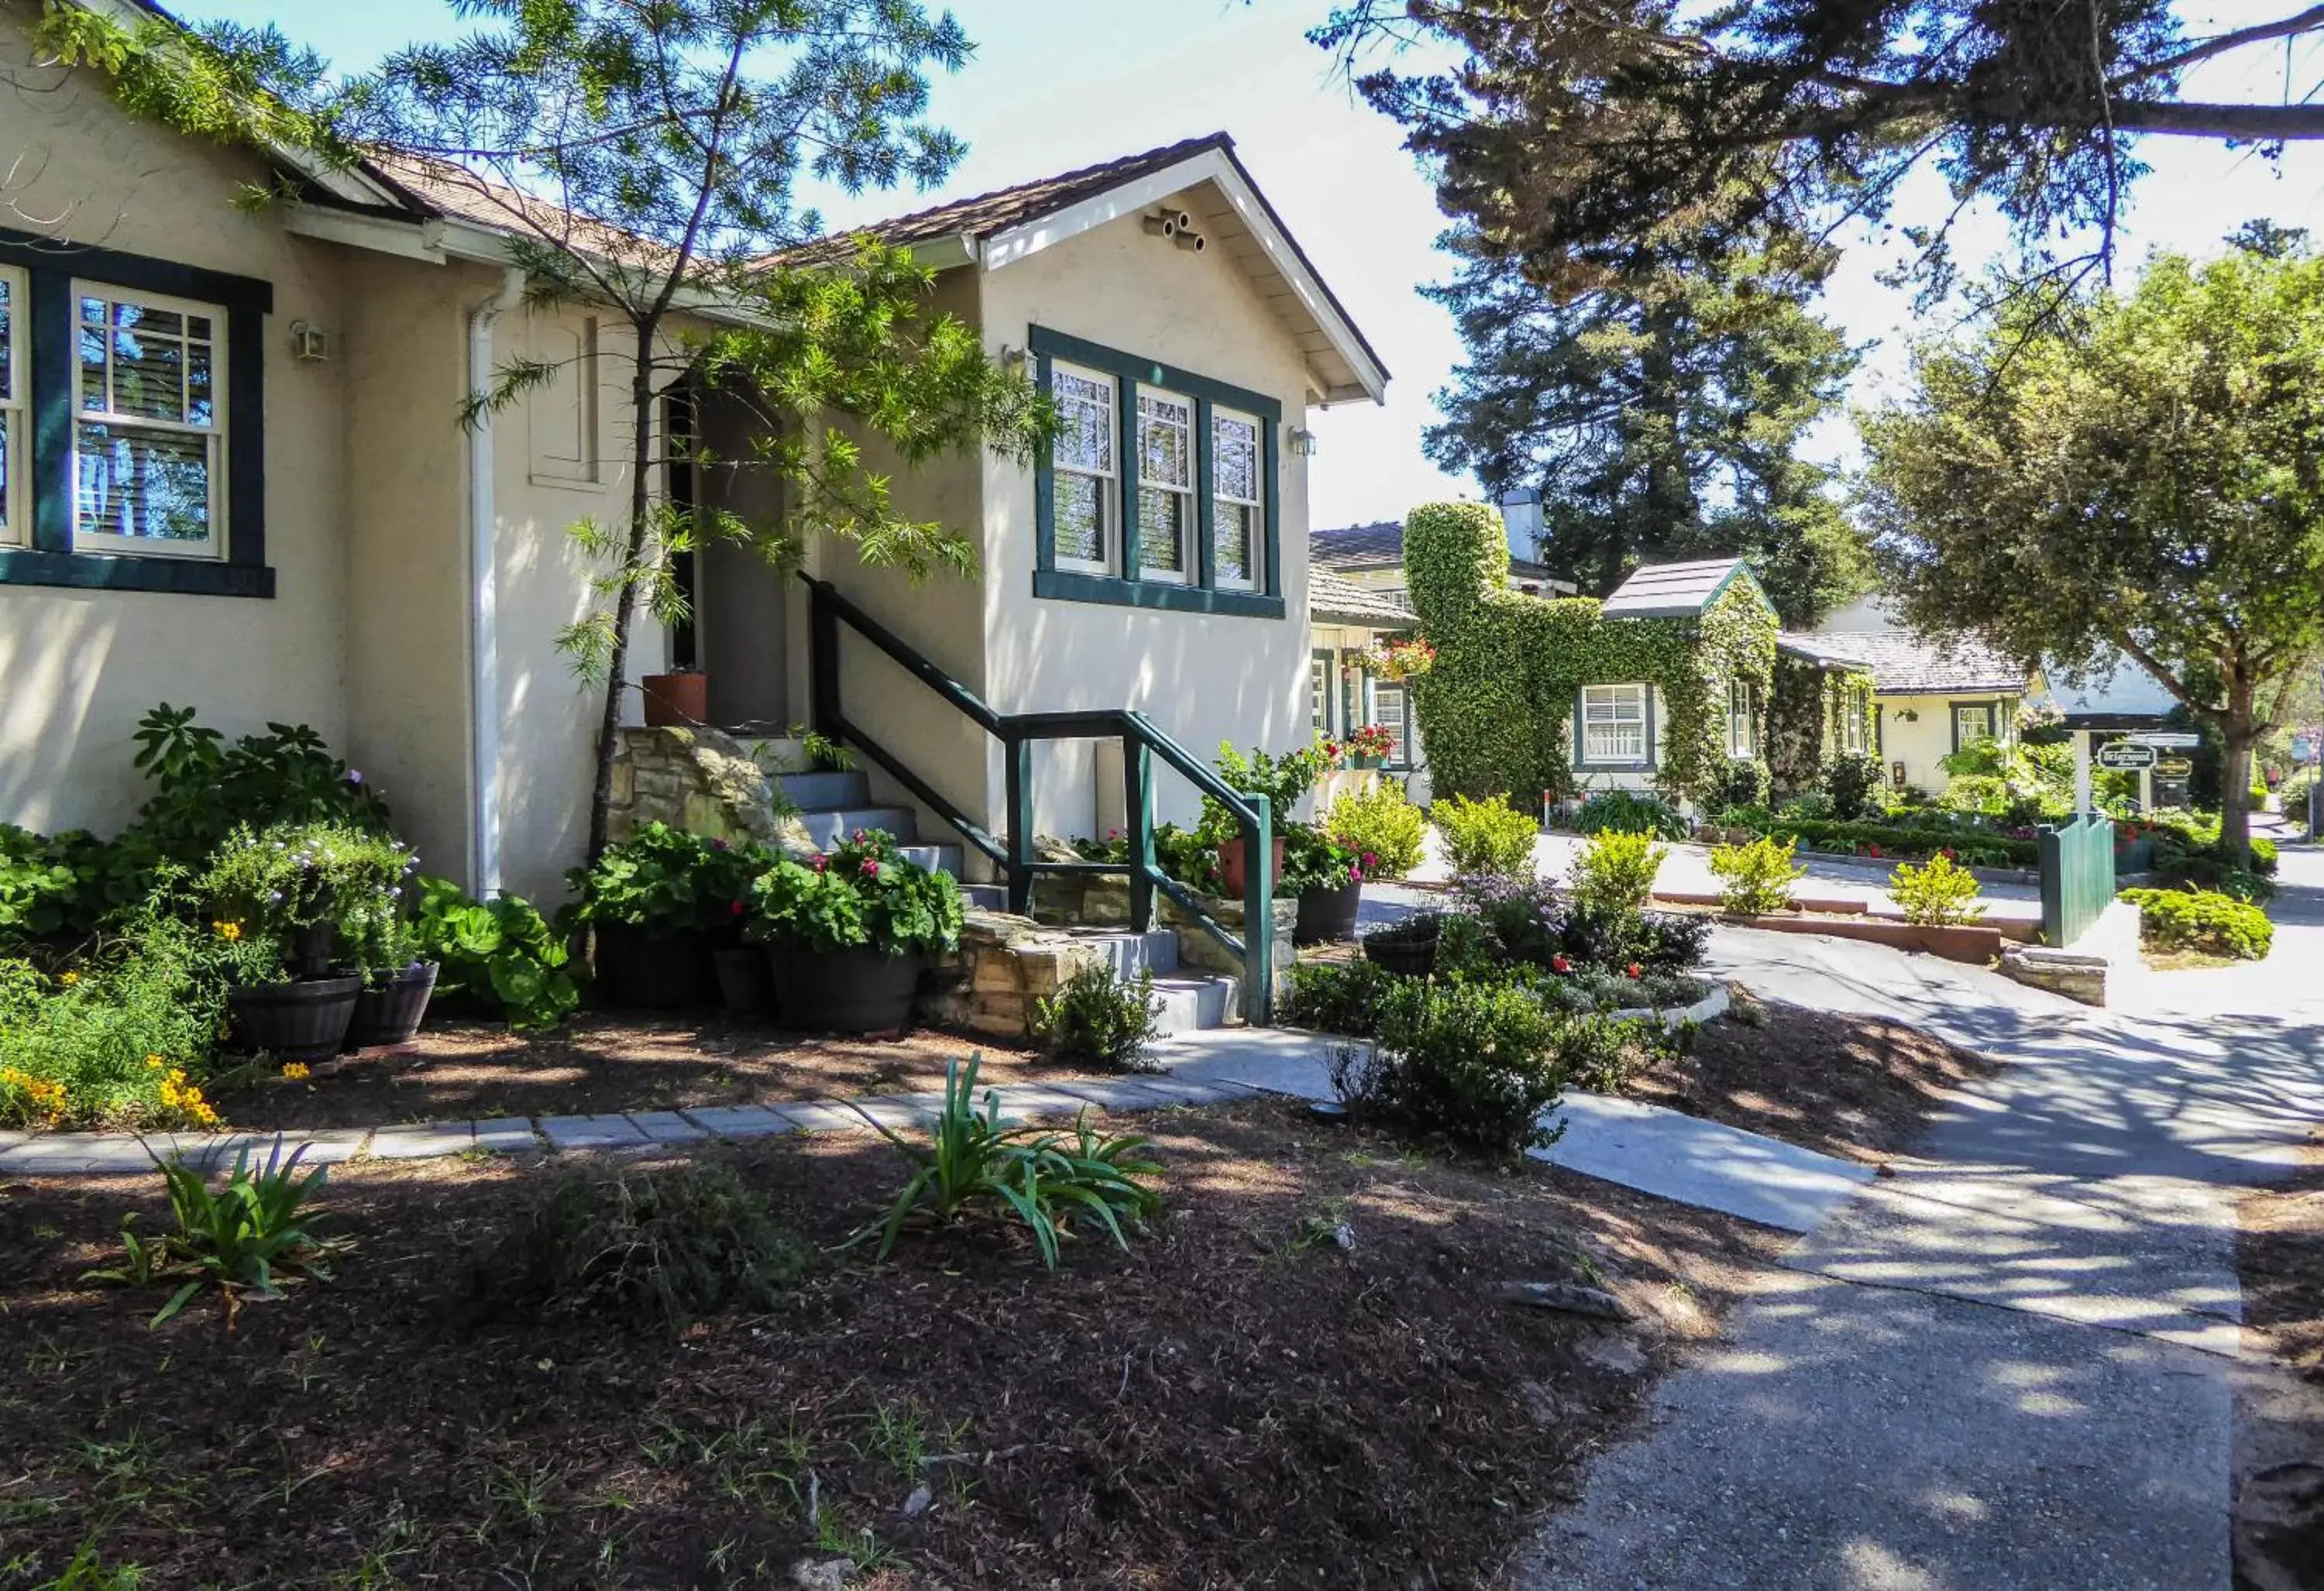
(1406, 947)
(1283, 780)
(398, 981)
(723, 893)
(848, 932)
(1328, 878)
(680, 698)
(1370, 746)
(659, 901)
(298, 902)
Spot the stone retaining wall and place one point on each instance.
(701, 780)
(1005, 964)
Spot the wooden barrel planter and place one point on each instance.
(391, 1013)
(746, 983)
(653, 972)
(1326, 914)
(1402, 951)
(305, 1020)
(861, 990)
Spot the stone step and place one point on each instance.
(825, 792)
(1132, 953)
(937, 859)
(833, 826)
(1192, 1005)
(984, 898)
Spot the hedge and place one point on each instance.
(1900, 843)
(1494, 708)
(2202, 920)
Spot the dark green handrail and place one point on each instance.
(1141, 741)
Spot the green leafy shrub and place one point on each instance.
(1283, 780)
(1939, 894)
(862, 892)
(1758, 878)
(1472, 1064)
(1626, 812)
(2202, 920)
(500, 955)
(1337, 996)
(1615, 871)
(1096, 1020)
(249, 1236)
(1600, 1054)
(1044, 1179)
(1971, 843)
(1745, 782)
(663, 882)
(1380, 824)
(322, 895)
(653, 1246)
(1670, 943)
(41, 889)
(1485, 837)
(2293, 796)
(123, 1039)
(1852, 783)
(1525, 918)
(1312, 859)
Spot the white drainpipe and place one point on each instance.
(484, 597)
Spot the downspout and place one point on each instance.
(483, 599)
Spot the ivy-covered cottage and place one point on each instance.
(1663, 686)
(237, 478)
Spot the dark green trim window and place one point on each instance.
(132, 423)
(1965, 714)
(1161, 490)
(1614, 728)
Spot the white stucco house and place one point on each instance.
(1930, 697)
(305, 532)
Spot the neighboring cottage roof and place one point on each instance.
(1673, 591)
(1825, 652)
(1904, 664)
(1335, 599)
(1380, 546)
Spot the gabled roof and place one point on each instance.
(1335, 599)
(1380, 546)
(1673, 591)
(1905, 665)
(1825, 652)
(999, 228)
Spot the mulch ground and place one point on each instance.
(1240, 1401)
(1849, 1086)
(609, 1061)
(2279, 1530)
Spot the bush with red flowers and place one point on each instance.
(865, 893)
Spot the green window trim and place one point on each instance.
(1579, 738)
(1128, 588)
(52, 377)
(1992, 709)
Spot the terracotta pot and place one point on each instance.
(679, 701)
(746, 983)
(861, 990)
(391, 1013)
(1327, 915)
(304, 1020)
(653, 972)
(1230, 864)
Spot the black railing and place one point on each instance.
(1012, 854)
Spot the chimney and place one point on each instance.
(1521, 522)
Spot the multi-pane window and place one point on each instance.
(1083, 481)
(14, 433)
(1972, 722)
(1614, 723)
(1389, 712)
(1854, 718)
(1742, 718)
(1166, 486)
(1237, 511)
(1319, 691)
(148, 427)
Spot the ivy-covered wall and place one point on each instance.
(1496, 710)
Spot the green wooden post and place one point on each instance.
(1016, 753)
(1138, 796)
(1259, 917)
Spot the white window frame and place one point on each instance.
(16, 407)
(1189, 515)
(1855, 731)
(1109, 495)
(1742, 719)
(1322, 689)
(1992, 730)
(214, 549)
(1614, 698)
(1399, 754)
(1256, 556)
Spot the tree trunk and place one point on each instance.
(2241, 737)
(625, 603)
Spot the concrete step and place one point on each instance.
(1132, 953)
(937, 859)
(832, 826)
(1192, 1005)
(984, 898)
(825, 792)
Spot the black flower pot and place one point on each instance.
(858, 990)
(302, 1021)
(391, 1013)
(1328, 914)
(745, 981)
(652, 973)
(1407, 958)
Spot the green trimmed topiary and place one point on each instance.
(2202, 920)
(1486, 837)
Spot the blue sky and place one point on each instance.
(1064, 83)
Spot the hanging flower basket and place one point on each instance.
(1397, 660)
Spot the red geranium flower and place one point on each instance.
(1635, 970)
(821, 861)
(870, 868)
(738, 909)
(1560, 964)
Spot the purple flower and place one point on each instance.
(354, 776)
(721, 845)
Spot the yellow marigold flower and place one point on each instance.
(229, 932)
(67, 978)
(295, 1071)
(153, 1062)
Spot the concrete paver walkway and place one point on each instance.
(2011, 1369)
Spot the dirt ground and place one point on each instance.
(2280, 1434)
(1243, 1399)
(602, 1061)
(1848, 1086)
